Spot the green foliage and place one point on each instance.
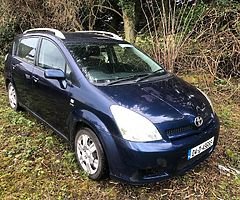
(225, 2)
(7, 32)
(234, 158)
(68, 159)
(191, 16)
(49, 142)
(128, 6)
(1, 63)
(225, 115)
(19, 119)
(125, 4)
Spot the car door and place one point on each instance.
(22, 67)
(52, 96)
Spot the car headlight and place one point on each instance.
(133, 126)
(210, 102)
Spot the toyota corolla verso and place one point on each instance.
(123, 113)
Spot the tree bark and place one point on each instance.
(129, 22)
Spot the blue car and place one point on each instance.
(124, 115)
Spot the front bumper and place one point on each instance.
(140, 163)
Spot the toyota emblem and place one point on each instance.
(198, 121)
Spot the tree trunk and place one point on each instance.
(129, 22)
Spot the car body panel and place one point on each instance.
(49, 96)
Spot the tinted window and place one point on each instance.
(27, 49)
(50, 56)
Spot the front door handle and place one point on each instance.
(35, 79)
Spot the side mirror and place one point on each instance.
(54, 74)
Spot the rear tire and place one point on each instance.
(90, 155)
(12, 97)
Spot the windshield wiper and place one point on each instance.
(119, 80)
(155, 73)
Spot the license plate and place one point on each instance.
(200, 148)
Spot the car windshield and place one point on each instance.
(113, 63)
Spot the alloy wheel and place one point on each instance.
(12, 96)
(87, 154)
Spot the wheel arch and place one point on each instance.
(7, 81)
(89, 120)
(86, 119)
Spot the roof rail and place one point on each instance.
(103, 33)
(56, 32)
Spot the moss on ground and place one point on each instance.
(36, 164)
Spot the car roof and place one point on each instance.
(77, 37)
(72, 37)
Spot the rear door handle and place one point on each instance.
(15, 65)
(27, 76)
(35, 79)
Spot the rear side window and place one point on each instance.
(27, 49)
(50, 56)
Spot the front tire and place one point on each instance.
(12, 97)
(90, 154)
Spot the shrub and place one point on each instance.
(1, 64)
(215, 43)
(6, 36)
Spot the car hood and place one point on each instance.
(165, 101)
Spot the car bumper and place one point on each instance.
(140, 163)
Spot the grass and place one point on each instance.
(37, 164)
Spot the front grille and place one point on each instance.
(184, 131)
(174, 131)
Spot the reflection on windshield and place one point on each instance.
(104, 63)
